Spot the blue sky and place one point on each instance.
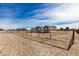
(27, 15)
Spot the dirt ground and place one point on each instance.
(15, 45)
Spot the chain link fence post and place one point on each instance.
(38, 35)
(72, 40)
(50, 33)
(31, 32)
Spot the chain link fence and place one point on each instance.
(59, 39)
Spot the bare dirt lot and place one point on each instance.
(16, 45)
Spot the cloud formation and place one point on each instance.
(31, 15)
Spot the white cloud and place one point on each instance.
(71, 25)
(63, 13)
(6, 23)
(66, 13)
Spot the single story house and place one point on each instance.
(45, 29)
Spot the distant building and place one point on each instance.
(33, 29)
(11, 30)
(1, 29)
(44, 29)
(51, 28)
(38, 29)
(21, 29)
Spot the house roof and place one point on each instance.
(52, 26)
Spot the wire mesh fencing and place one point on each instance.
(59, 39)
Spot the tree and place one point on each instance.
(67, 28)
(61, 28)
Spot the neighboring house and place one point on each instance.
(21, 29)
(38, 29)
(44, 29)
(33, 29)
(51, 28)
(1, 29)
(11, 30)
